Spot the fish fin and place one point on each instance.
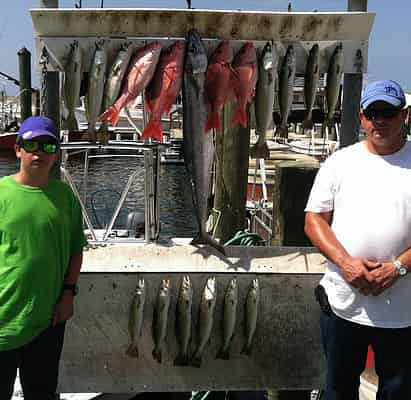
(206, 239)
(213, 121)
(308, 123)
(181, 360)
(157, 355)
(223, 355)
(196, 362)
(260, 150)
(132, 351)
(246, 350)
(153, 129)
(111, 114)
(240, 116)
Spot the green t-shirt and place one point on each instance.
(40, 229)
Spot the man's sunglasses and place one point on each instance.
(387, 113)
(30, 146)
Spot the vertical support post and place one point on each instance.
(25, 83)
(350, 123)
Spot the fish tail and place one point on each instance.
(213, 121)
(260, 150)
(157, 354)
(132, 351)
(223, 354)
(282, 131)
(240, 116)
(196, 361)
(246, 349)
(308, 123)
(112, 114)
(153, 129)
(207, 239)
(181, 360)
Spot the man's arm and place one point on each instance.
(355, 270)
(64, 309)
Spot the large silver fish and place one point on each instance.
(286, 85)
(264, 100)
(229, 318)
(311, 80)
(334, 74)
(94, 97)
(113, 84)
(136, 317)
(71, 85)
(251, 314)
(205, 320)
(198, 146)
(183, 321)
(160, 318)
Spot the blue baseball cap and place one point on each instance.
(388, 91)
(33, 127)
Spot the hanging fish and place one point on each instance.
(71, 85)
(229, 319)
(138, 76)
(164, 88)
(285, 90)
(136, 317)
(218, 83)
(160, 319)
(183, 321)
(332, 91)
(205, 320)
(95, 91)
(251, 315)
(243, 81)
(264, 100)
(113, 85)
(311, 81)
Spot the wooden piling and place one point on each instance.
(232, 152)
(25, 83)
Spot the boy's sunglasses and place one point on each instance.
(32, 146)
(387, 113)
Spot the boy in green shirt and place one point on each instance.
(41, 242)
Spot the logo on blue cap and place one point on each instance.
(387, 90)
(33, 127)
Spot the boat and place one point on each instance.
(7, 140)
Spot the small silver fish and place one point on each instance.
(229, 319)
(251, 314)
(206, 319)
(94, 97)
(311, 80)
(286, 86)
(334, 75)
(183, 321)
(71, 85)
(264, 100)
(160, 318)
(136, 318)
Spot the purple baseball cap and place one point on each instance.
(33, 127)
(388, 91)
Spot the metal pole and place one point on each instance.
(25, 83)
(49, 4)
(350, 123)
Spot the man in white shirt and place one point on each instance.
(359, 216)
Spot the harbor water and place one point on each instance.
(106, 180)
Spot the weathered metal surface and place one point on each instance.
(242, 25)
(286, 352)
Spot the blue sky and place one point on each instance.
(389, 49)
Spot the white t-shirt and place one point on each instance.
(370, 196)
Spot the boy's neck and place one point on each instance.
(37, 181)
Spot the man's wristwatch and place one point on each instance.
(73, 288)
(401, 268)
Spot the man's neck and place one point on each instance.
(37, 181)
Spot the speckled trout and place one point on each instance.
(251, 314)
(136, 317)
